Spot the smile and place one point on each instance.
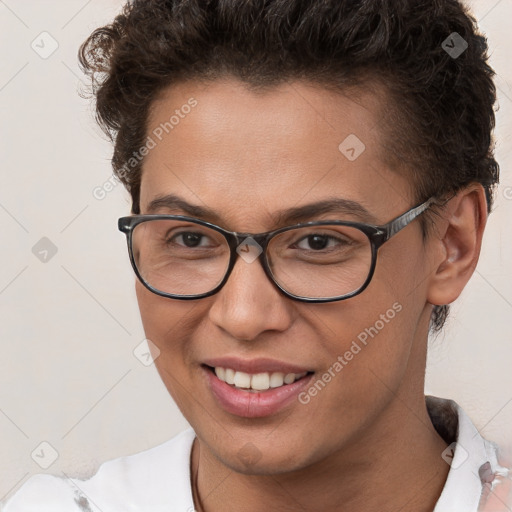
(256, 382)
(250, 392)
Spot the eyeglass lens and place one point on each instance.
(183, 258)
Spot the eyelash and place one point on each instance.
(341, 241)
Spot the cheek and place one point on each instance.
(169, 325)
(376, 338)
(162, 318)
(146, 310)
(364, 372)
(371, 340)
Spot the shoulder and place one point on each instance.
(476, 467)
(43, 493)
(155, 479)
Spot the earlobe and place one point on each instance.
(458, 243)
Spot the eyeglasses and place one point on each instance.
(185, 258)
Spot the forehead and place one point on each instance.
(282, 114)
(223, 145)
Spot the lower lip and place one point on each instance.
(250, 404)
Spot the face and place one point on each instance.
(247, 156)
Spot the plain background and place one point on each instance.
(69, 326)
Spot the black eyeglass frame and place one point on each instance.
(377, 235)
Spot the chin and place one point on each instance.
(268, 462)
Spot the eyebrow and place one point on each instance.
(296, 215)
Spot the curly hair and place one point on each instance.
(440, 120)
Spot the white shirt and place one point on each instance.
(158, 479)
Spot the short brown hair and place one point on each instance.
(442, 102)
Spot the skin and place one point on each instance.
(365, 442)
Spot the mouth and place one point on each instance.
(255, 394)
(256, 382)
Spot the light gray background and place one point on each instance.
(68, 328)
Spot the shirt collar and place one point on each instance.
(472, 459)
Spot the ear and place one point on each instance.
(457, 242)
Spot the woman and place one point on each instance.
(301, 219)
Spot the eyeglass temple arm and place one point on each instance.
(393, 227)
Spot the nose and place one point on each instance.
(250, 304)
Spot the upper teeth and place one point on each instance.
(257, 381)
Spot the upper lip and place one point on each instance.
(259, 365)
